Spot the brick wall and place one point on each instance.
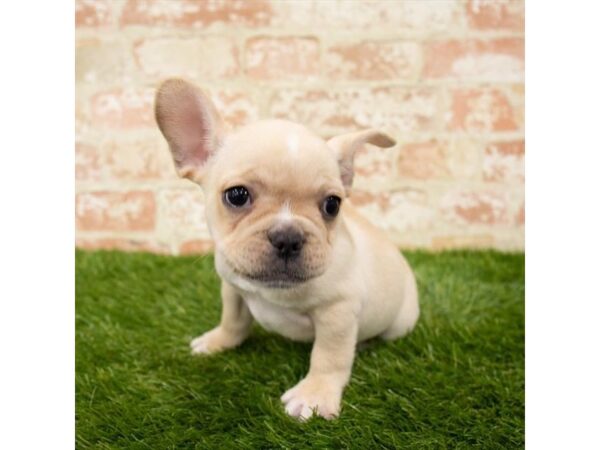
(444, 77)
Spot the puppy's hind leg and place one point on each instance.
(408, 314)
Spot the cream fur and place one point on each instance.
(360, 286)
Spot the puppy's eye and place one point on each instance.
(236, 196)
(331, 206)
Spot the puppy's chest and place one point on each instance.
(288, 322)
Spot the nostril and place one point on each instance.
(288, 241)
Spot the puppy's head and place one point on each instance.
(274, 190)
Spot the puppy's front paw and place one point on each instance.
(213, 341)
(313, 395)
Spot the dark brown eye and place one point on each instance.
(236, 196)
(331, 206)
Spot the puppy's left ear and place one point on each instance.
(346, 145)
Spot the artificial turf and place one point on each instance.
(456, 382)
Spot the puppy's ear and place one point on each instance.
(346, 145)
(190, 124)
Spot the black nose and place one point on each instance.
(287, 240)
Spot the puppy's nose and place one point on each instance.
(287, 240)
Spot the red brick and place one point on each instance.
(516, 96)
(345, 16)
(471, 207)
(201, 57)
(82, 116)
(235, 107)
(196, 13)
(92, 13)
(88, 164)
(196, 247)
(124, 159)
(422, 160)
(400, 109)
(494, 60)
(497, 15)
(127, 245)
(520, 218)
(396, 211)
(123, 108)
(504, 161)
(439, 159)
(134, 108)
(483, 110)
(363, 199)
(182, 213)
(115, 211)
(138, 159)
(374, 60)
(276, 57)
(409, 210)
(372, 164)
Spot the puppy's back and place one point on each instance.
(389, 283)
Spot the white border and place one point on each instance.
(37, 226)
(562, 242)
(563, 225)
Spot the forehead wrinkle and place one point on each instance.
(249, 175)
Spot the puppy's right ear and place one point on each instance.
(190, 124)
(346, 145)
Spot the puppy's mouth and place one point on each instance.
(279, 279)
(276, 277)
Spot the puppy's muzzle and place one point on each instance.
(287, 240)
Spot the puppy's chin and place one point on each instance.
(278, 280)
(279, 284)
(271, 276)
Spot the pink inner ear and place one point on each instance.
(195, 146)
(189, 123)
(191, 132)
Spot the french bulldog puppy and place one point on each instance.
(292, 252)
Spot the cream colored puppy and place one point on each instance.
(292, 252)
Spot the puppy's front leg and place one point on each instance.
(236, 321)
(336, 330)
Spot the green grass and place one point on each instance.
(456, 382)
